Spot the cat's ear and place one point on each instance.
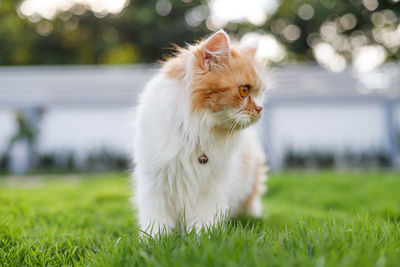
(250, 47)
(216, 49)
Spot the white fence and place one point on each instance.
(308, 108)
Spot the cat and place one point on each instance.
(196, 158)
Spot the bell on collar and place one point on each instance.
(203, 159)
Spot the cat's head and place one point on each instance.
(226, 82)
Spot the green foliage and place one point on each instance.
(332, 11)
(331, 219)
(140, 34)
(4, 162)
(16, 36)
(137, 34)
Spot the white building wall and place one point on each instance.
(333, 127)
(86, 129)
(88, 108)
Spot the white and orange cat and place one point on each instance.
(196, 158)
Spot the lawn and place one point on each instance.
(311, 219)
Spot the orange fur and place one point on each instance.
(174, 67)
(216, 88)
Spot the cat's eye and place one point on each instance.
(244, 90)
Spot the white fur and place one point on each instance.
(171, 185)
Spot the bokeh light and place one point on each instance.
(48, 9)
(253, 11)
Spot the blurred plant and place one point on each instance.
(293, 159)
(311, 159)
(61, 161)
(398, 139)
(66, 161)
(4, 163)
(28, 123)
(25, 129)
(104, 159)
(372, 158)
(329, 159)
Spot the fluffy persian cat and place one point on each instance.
(196, 158)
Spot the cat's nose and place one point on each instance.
(258, 109)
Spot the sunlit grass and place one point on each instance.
(312, 219)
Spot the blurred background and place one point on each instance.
(71, 71)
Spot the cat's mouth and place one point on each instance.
(244, 121)
(237, 120)
(248, 118)
(250, 121)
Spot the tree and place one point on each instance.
(142, 32)
(137, 34)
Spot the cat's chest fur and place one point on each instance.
(171, 148)
(188, 167)
(220, 157)
(188, 184)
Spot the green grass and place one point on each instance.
(311, 219)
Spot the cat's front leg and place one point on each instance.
(153, 215)
(210, 214)
(211, 222)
